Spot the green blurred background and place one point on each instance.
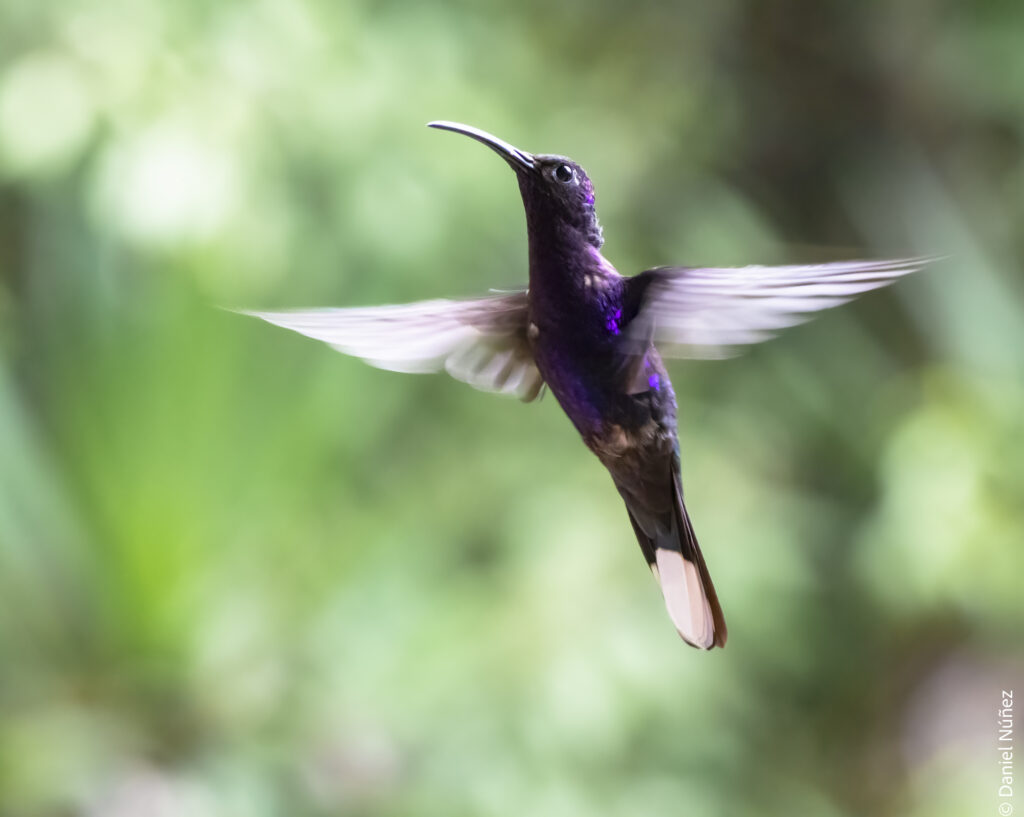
(243, 575)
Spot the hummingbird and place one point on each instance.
(596, 339)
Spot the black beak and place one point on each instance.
(518, 159)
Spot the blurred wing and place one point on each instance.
(701, 313)
(481, 342)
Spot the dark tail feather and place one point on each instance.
(678, 564)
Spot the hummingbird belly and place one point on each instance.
(611, 399)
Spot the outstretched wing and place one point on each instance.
(706, 313)
(481, 342)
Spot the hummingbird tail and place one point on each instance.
(676, 561)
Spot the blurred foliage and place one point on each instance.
(241, 574)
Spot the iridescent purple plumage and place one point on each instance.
(589, 335)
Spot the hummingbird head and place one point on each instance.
(557, 193)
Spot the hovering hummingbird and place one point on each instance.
(595, 338)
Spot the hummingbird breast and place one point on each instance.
(611, 395)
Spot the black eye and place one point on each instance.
(564, 173)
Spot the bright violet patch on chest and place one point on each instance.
(645, 377)
(612, 319)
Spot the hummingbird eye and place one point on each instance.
(564, 173)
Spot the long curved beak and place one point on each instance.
(518, 159)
